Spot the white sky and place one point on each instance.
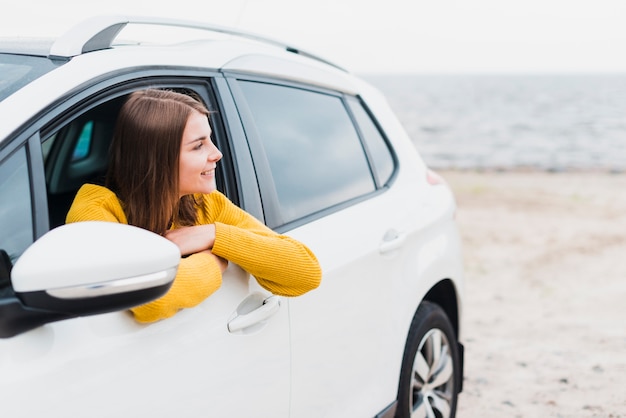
(389, 35)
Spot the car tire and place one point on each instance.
(431, 368)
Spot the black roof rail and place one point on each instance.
(99, 32)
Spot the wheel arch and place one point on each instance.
(445, 295)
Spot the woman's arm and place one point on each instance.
(281, 264)
(198, 277)
(192, 239)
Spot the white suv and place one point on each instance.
(311, 150)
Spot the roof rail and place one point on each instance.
(99, 32)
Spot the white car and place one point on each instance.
(311, 150)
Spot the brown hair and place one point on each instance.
(143, 171)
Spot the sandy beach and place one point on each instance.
(545, 312)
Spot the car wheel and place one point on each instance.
(429, 379)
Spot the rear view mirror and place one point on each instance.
(86, 268)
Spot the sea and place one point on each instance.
(551, 122)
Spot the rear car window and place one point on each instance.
(313, 149)
(379, 152)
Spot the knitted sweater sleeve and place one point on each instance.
(281, 264)
(198, 275)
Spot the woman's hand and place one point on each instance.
(192, 239)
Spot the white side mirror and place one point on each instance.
(87, 268)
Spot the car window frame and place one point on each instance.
(77, 102)
(267, 188)
(200, 84)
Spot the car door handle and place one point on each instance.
(391, 241)
(269, 307)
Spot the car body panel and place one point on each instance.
(359, 348)
(342, 330)
(120, 365)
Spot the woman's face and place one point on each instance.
(198, 157)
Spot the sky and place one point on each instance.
(389, 36)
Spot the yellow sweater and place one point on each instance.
(280, 264)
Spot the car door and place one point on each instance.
(326, 187)
(224, 357)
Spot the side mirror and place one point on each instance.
(86, 268)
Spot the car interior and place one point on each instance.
(78, 154)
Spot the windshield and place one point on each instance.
(16, 71)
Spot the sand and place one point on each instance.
(545, 307)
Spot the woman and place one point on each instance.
(162, 178)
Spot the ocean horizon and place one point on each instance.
(553, 122)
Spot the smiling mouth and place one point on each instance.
(209, 173)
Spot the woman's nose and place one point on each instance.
(215, 154)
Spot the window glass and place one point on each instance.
(379, 151)
(83, 145)
(16, 221)
(313, 149)
(18, 70)
(46, 146)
